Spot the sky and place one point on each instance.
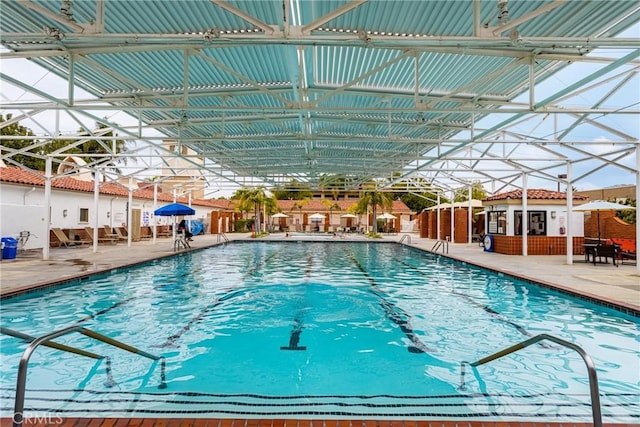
(628, 98)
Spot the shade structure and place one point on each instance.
(386, 215)
(279, 215)
(316, 217)
(174, 209)
(601, 205)
(348, 216)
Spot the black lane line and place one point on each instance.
(309, 266)
(259, 265)
(294, 339)
(395, 314)
(106, 310)
(486, 308)
(170, 342)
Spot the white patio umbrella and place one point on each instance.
(316, 217)
(386, 215)
(348, 216)
(279, 215)
(601, 205)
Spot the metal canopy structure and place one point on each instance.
(339, 93)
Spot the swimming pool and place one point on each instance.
(288, 329)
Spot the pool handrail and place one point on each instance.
(444, 244)
(591, 368)
(21, 382)
(406, 237)
(222, 236)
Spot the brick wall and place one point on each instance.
(610, 226)
(460, 225)
(536, 245)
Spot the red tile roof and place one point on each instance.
(20, 176)
(316, 205)
(535, 194)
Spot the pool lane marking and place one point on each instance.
(170, 342)
(259, 265)
(294, 339)
(394, 313)
(106, 310)
(485, 307)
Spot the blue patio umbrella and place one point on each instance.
(174, 209)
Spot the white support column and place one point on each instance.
(47, 208)
(470, 218)
(438, 218)
(524, 221)
(569, 216)
(129, 210)
(155, 206)
(637, 198)
(96, 208)
(453, 214)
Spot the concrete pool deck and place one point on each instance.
(619, 286)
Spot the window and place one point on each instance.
(537, 223)
(84, 215)
(498, 222)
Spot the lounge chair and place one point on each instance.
(113, 233)
(108, 240)
(64, 240)
(119, 234)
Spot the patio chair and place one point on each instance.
(64, 240)
(113, 233)
(108, 240)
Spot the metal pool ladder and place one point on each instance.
(44, 340)
(444, 244)
(591, 368)
(406, 237)
(221, 237)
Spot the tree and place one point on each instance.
(34, 158)
(294, 190)
(374, 199)
(255, 198)
(331, 206)
(27, 159)
(477, 193)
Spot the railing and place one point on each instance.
(591, 369)
(44, 340)
(181, 242)
(406, 237)
(441, 244)
(221, 237)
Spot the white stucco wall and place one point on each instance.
(553, 224)
(22, 209)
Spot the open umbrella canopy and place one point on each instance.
(348, 216)
(601, 205)
(174, 209)
(279, 215)
(316, 217)
(386, 215)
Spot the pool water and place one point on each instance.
(319, 329)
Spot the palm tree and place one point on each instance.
(299, 205)
(254, 198)
(331, 206)
(374, 199)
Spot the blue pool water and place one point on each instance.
(367, 330)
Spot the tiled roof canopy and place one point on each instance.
(534, 194)
(389, 91)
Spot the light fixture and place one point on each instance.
(553, 214)
(108, 214)
(65, 213)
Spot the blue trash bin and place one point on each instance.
(9, 248)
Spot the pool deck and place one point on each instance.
(619, 286)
